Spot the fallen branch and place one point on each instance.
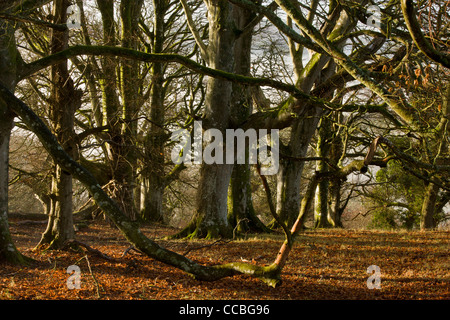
(97, 284)
(29, 222)
(91, 250)
(128, 250)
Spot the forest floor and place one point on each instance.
(324, 264)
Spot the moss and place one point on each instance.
(10, 254)
(268, 274)
(309, 68)
(198, 230)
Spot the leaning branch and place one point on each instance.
(273, 211)
(273, 118)
(269, 274)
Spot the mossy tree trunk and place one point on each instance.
(335, 157)
(321, 209)
(121, 102)
(303, 128)
(427, 220)
(111, 109)
(242, 215)
(431, 196)
(318, 70)
(290, 174)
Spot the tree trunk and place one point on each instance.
(429, 207)
(120, 149)
(336, 152)
(210, 218)
(321, 205)
(152, 209)
(319, 69)
(152, 197)
(321, 210)
(303, 129)
(241, 215)
(8, 251)
(290, 173)
(335, 210)
(9, 56)
(131, 103)
(65, 100)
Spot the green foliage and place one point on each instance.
(397, 199)
(383, 218)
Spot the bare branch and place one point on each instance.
(402, 108)
(194, 31)
(55, 26)
(409, 13)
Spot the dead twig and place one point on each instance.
(97, 284)
(237, 225)
(129, 249)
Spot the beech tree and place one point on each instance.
(167, 33)
(442, 128)
(65, 100)
(241, 212)
(210, 218)
(227, 105)
(269, 274)
(10, 64)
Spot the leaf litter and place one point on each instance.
(324, 264)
